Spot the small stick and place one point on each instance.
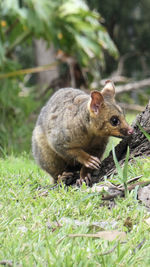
(114, 186)
(134, 179)
(144, 183)
(109, 251)
(131, 187)
(131, 180)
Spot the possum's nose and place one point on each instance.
(130, 131)
(126, 131)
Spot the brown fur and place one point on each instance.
(73, 126)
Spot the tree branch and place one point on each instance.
(132, 86)
(131, 106)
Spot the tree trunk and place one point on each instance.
(44, 56)
(138, 143)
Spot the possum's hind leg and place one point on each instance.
(45, 156)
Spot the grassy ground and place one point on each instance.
(34, 224)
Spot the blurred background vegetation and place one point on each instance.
(45, 45)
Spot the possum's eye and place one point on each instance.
(114, 121)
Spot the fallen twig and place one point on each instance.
(109, 251)
(131, 187)
(121, 190)
(134, 179)
(112, 186)
(130, 181)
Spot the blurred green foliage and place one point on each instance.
(15, 123)
(70, 26)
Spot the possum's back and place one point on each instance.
(61, 108)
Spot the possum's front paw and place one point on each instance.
(92, 162)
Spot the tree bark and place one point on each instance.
(44, 56)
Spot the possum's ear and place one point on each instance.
(108, 90)
(96, 102)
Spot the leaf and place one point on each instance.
(73, 7)
(107, 43)
(83, 34)
(89, 46)
(107, 235)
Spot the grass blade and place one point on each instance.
(125, 168)
(117, 163)
(125, 171)
(144, 132)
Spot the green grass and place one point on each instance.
(34, 227)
